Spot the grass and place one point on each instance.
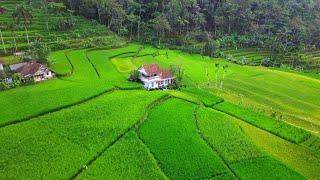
(264, 168)
(293, 96)
(128, 158)
(171, 135)
(243, 156)
(184, 96)
(57, 145)
(225, 136)
(72, 120)
(299, 158)
(277, 127)
(60, 64)
(207, 98)
(45, 97)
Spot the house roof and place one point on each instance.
(29, 68)
(151, 69)
(15, 67)
(165, 74)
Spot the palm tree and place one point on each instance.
(23, 13)
(3, 26)
(13, 28)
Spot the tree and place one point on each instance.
(23, 14)
(134, 76)
(3, 26)
(178, 73)
(161, 25)
(225, 69)
(216, 72)
(13, 27)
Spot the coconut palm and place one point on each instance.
(23, 14)
(2, 27)
(13, 27)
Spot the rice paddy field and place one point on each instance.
(90, 122)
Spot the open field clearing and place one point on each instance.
(60, 144)
(128, 157)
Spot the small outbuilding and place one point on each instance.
(153, 77)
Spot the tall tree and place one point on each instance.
(23, 14)
(161, 25)
(3, 26)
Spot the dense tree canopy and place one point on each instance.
(292, 24)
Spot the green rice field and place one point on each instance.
(90, 122)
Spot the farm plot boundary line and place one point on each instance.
(195, 118)
(29, 118)
(132, 128)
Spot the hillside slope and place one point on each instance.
(49, 25)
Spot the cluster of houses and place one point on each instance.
(33, 71)
(153, 77)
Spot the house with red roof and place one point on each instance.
(32, 70)
(153, 77)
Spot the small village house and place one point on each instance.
(155, 78)
(32, 70)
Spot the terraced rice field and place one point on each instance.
(248, 56)
(38, 28)
(91, 123)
